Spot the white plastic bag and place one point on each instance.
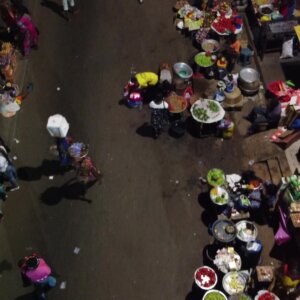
(287, 49)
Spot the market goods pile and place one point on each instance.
(205, 110)
(203, 60)
(214, 296)
(213, 106)
(227, 259)
(176, 103)
(267, 296)
(206, 277)
(234, 283)
(216, 177)
(200, 113)
(219, 196)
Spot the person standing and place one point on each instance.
(158, 114)
(87, 171)
(28, 31)
(69, 7)
(34, 270)
(7, 170)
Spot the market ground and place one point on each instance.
(141, 236)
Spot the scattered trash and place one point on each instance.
(177, 181)
(251, 162)
(189, 195)
(202, 179)
(51, 177)
(15, 158)
(195, 233)
(76, 250)
(222, 140)
(58, 88)
(62, 286)
(16, 140)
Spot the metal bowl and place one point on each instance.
(242, 233)
(266, 6)
(210, 45)
(249, 75)
(221, 232)
(227, 278)
(183, 70)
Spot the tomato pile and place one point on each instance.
(206, 277)
(222, 24)
(266, 296)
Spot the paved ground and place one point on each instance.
(143, 234)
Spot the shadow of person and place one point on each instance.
(71, 190)
(5, 266)
(209, 215)
(47, 168)
(30, 296)
(56, 8)
(146, 130)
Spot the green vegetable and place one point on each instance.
(202, 60)
(221, 199)
(214, 296)
(200, 114)
(213, 106)
(216, 177)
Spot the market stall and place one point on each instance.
(270, 24)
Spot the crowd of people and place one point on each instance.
(19, 34)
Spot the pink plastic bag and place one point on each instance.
(282, 235)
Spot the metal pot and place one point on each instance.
(248, 80)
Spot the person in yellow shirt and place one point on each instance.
(145, 79)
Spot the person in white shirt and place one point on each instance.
(159, 112)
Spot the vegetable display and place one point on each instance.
(203, 60)
(216, 177)
(205, 278)
(213, 106)
(204, 111)
(267, 296)
(200, 113)
(214, 295)
(223, 25)
(234, 283)
(219, 195)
